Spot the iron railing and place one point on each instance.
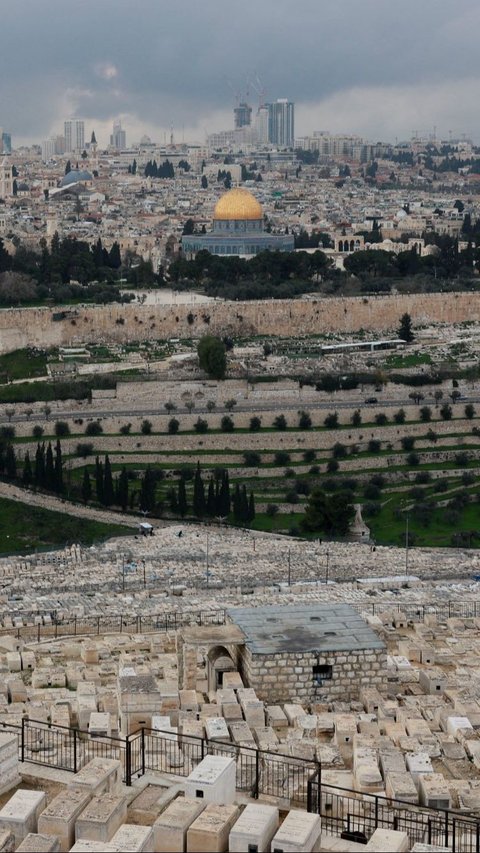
(355, 817)
(295, 781)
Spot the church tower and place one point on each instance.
(93, 150)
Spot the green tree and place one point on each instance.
(330, 514)
(331, 421)
(122, 489)
(204, 182)
(10, 463)
(280, 423)
(61, 428)
(425, 414)
(356, 418)
(226, 424)
(469, 411)
(405, 331)
(27, 474)
(446, 412)
(173, 426)
(199, 503)
(86, 486)
(99, 480)
(108, 491)
(146, 427)
(58, 467)
(212, 356)
(399, 417)
(182, 498)
(49, 469)
(255, 424)
(39, 475)
(147, 490)
(304, 420)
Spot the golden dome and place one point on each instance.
(238, 204)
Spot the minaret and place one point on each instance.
(93, 149)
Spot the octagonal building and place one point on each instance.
(238, 229)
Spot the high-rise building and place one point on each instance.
(242, 115)
(5, 142)
(74, 132)
(281, 123)
(118, 139)
(261, 125)
(48, 149)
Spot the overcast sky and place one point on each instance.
(377, 68)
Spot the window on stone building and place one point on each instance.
(321, 673)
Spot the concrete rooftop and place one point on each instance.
(298, 628)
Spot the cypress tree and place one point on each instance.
(49, 469)
(147, 490)
(199, 503)
(10, 463)
(86, 486)
(237, 504)
(27, 475)
(182, 498)
(108, 494)
(211, 504)
(243, 505)
(39, 476)
(58, 467)
(122, 489)
(251, 508)
(99, 480)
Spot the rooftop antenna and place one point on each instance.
(171, 135)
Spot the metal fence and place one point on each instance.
(84, 626)
(78, 626)
(355, 817)
(297, 782)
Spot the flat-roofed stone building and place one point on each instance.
(313, 653)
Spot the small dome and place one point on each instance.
(74, 176)
(238, 204)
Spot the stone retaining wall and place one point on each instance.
(47, 327)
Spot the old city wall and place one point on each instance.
(47, 327)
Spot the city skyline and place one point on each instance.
(382, 73)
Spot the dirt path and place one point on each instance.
(26, 496)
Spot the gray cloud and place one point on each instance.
(158, 62)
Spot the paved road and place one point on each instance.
(244, 406)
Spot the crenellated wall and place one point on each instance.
(47, 327)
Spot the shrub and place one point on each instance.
(37, 431)
(230, 405)
(251, 458)
(302, 487)
(7, 432)
(94, 428)
(226, 424)
(423, 477)
(469, 411)
(440, 485)
(211, 405)
(332, 466)
(169, 406)
(416, 493)
(330, 485)
(413, 459)
(314, 470)
(374, 445)
(468, 478)
(282, 457)
(304, 420)
(462, 458)
(146, 427)
(255, 424)
(280, 423)
(272, 510)
(432, 436)
(173, 426)
(125, 429)
(371, 492)
(289, 472)
(408, 442)
(84, 449)
(399, 417)
(350, 483)
(446, 412)
(331, 421)
(200, 425)
(356, 418)
(309, 455)
(291, 497)
(381, 419)
(425, 414)
(61, 429)
(378, 480)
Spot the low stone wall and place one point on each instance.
(283, 677)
